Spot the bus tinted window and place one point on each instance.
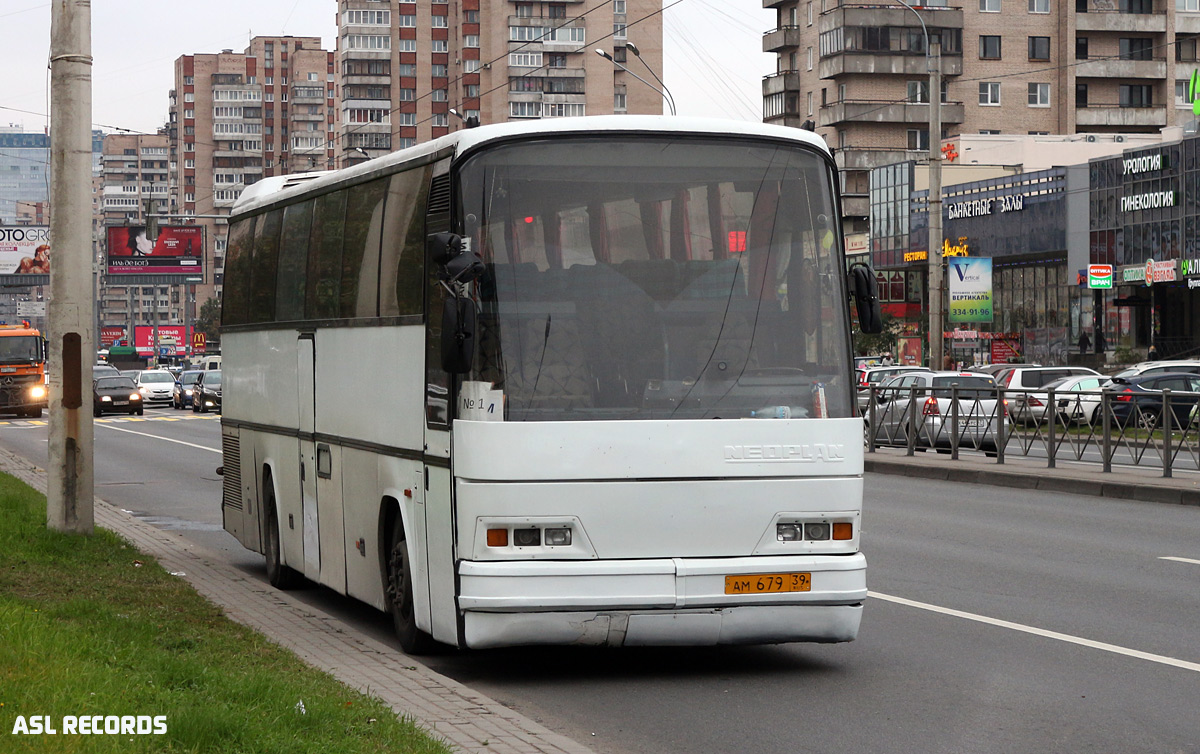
(402, 262)
(293, 259)
(360, 254)
(263, 268)
(323, 299)
(235, 298)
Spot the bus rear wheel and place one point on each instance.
(413, 640)
(278, 575)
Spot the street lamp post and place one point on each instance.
(638, 54)
(934, 260)
(663, 91)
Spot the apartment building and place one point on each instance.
(133, 183)
(236, 117)
(403, 67)
(858, 72)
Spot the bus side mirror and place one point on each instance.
(456, 262)
(458, 335)
(865, 291)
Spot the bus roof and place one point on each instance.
(270, 190)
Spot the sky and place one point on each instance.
(713, 60)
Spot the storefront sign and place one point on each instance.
(1134, 274)
(1189, 267)
(856, 243)
(1193, 283)
(1148, 200)
(961, 249)
(970, 286)
(1160, 272)
(1146, 163)
(979, 207)
(1100, 276)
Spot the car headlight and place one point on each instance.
(134, 397)
(143, 390)
(37, 391)
(187, 391)
(105, 399)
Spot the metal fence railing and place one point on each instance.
(1105, 427)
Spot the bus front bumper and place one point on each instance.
(660, 602)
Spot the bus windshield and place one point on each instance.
(657, 278)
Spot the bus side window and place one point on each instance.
(264, 268)
(323, 298)
(293, 253)
(235, 299)
(402, 265)
(360, 254)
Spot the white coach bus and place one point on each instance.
(573, 381)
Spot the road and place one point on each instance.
(999, 621)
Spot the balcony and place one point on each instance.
(774, 3)
(1121, 117)
(783, 38)
(784, 81)
(1106, 19)
(854, 158)
(1187, 23)
(890, 16)
(1122, 69)
(886, 111)
(908, 64)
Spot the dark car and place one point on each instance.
(185, 383)
(116, 395)
(1138, 401)
(206, 393)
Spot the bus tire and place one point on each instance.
(413, 640)
(278, 575)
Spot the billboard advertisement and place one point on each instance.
(970, 284)
(25, 250)
(178, 250)
(111, 334)
(172, 340)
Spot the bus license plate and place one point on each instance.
(765, 583)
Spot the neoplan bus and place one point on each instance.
(574, 381)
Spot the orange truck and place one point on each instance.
(22, 370)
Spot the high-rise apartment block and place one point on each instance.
(133, 186)
(403, 66)
(858, 71)
(237, 117)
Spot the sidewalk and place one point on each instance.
(468, 721)
(1146, 484)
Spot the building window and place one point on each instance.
(559, 60)
(989, 93)
(524, 10)
(619, 31)
(1136, 48)
(471, 16)
(620, 101)
(918, 91)
(438, 70)
(406, 69)
(1137, 95)
(1187, 5)
(1081, 48)
(406, 21)
(1081, 95)
(1182, 96)
(1039, 6)
(438, 95)
(1039, 95)
(1039, 48)
(470, 40)
(1185, 49)
(618, 6)
(438, 22)
(439, 45)
(441, 119)
(809, 100)
(525, 59)
(406, 45)
(809, 58)
(989, 6)
(564, 110)
(989, 47)
(367, 17)
(525, 109)
(989, 131)
(367, 42)
(470, 66)
(918, 139)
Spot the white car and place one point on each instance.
(1078, 399)
(979, 414)
(1154, 367)
(155, 385)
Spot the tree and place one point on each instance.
(208, 321)
(866, 344)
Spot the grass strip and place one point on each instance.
(90, 626)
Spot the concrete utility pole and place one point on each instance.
(936, 343)
(72, 349)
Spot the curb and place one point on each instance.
(447, 710)
(1121, 490)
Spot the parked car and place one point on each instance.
(206, 395)
(1161, 367)
(1078, 398)
(116, 394)
(995, 369)
(104, 370)
(1030, 407)
(979, 412)
(870, 376)
(1138, 401)
(155, 385)
(181, 394)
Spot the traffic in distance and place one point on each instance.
(619, 407)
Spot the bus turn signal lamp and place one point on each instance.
(497, 537)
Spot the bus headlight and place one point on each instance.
(37, 391)
(557, 537)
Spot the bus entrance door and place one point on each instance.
(305, 370)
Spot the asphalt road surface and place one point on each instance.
(1000, 620)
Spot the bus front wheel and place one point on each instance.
(413, 640)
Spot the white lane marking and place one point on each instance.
(1180, 560)
(1173, 662)
(160, 437)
